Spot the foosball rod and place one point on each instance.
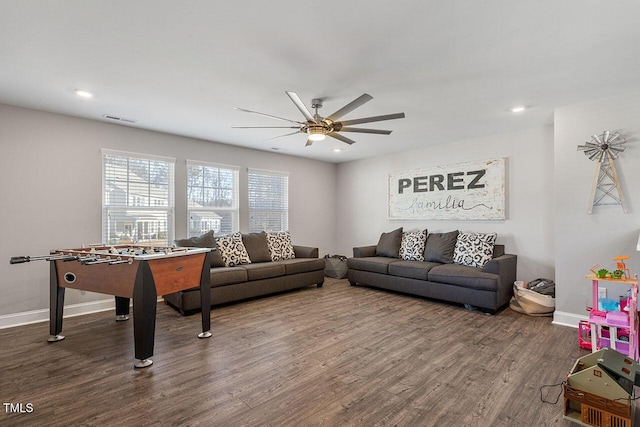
(23, 259)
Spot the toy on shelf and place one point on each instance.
(621, 267)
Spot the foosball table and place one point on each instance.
(141, 273)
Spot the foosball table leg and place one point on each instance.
(122, 309)
(56, 301)
(205, 298)
(143, 363)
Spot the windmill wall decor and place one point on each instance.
(604, 149)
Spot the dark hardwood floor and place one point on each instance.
(332, 356)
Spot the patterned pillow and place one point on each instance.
(474, 249)
(412, 245)
(232, 250)
(280, 246)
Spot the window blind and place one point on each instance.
(268, 193)
(212, 198)
(137, 199)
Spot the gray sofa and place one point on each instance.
(259, 277)
(488, 288)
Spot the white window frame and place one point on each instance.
(194, 211)
(139, 213)
(273, 215)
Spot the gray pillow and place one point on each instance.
(257, 247)
(205, 241)
(440, 247)
(389, 244)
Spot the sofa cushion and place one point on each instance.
(302, 265)
(412, 269)
(280, 246)
(440, 247)
(257, 246)
(462, 275)
(264, 270)
(374, 264)
(412, 245)
(222, 276)
(389, 244)
(474, 249)
(232, 250)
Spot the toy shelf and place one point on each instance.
(619, 324)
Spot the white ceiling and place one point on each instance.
(453, 67)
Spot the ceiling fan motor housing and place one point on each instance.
(318, 127)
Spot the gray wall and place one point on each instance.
(583, 240)
(50, 187)
(528, 229)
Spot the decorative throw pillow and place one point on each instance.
(389, 244)
(257, 246)
(412, 245)
(280, 246)
(474, 249)
(440, 247)
(232, 250)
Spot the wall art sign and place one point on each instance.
(465, 191)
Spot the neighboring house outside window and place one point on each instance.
(212, 198)
(137, 199)
(268, 200)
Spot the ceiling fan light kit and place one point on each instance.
(318, 128)
(316, 133)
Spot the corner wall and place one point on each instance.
(50, 189)
(583, 240)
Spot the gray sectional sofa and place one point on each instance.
(438, 276)
(255, 276)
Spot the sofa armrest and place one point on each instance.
(364, 251)
(305, 251)
(505, 267)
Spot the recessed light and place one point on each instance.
(517, 109)
(83, 93)
(337, 150)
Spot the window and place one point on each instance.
(212, 198)
(268, 201)
(137, 199)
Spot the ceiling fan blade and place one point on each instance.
(264, 127)
(303, 108)
(362, 130)
(341, 138)
(280, 136)
(350, 106)
(268, 115)
(373, 119)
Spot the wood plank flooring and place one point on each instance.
(332, 356)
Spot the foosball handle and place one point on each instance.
(19, 259)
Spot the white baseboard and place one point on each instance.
(72, 310)
(36, 316)
(567, 319)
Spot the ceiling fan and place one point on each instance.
(318, 127)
